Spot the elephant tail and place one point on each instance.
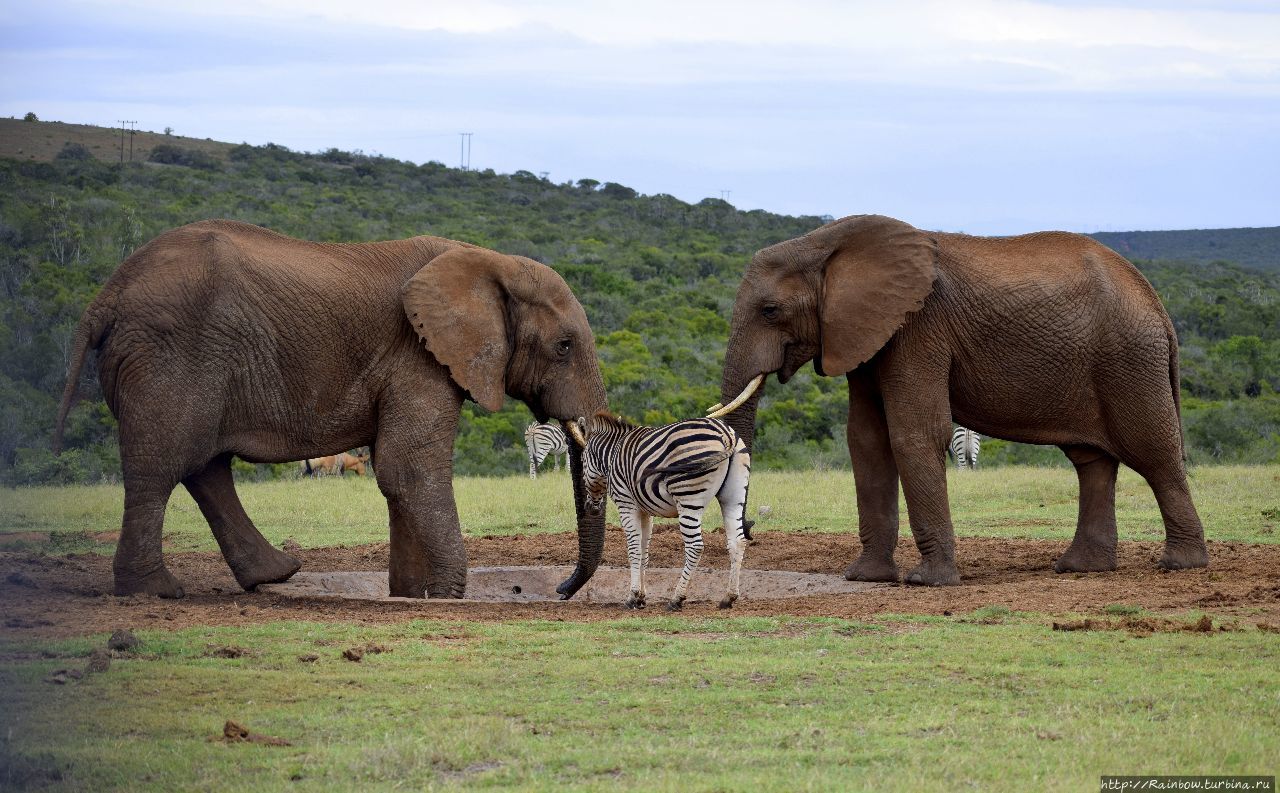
(1175, 382)
(90, 332)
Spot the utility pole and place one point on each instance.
(464, 150)
(724, 195)
(122, 122)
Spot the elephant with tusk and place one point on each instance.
(1047, 338)
(205, 352)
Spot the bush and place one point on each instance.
(30, 117)
(169, 154)
(73, 151)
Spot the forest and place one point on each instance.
(656, 275)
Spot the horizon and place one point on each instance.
(1003, 117)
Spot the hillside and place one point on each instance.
(656, 275)
(40, 141)
(1252, 247)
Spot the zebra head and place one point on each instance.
(601, 433)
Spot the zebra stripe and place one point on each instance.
(671, 472)
(964, 447)
(544, 439)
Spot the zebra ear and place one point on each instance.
(879, 271)
(457, 305)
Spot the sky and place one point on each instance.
(984, 116)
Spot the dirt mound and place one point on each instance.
(1243, 581)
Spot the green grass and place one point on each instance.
(1236, 503)
(648, 704)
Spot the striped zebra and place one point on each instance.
(542, 440)
(964, 447)
(671, 471)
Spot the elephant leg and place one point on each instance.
(918, 430)
(138, 565)
(415, 474)
(252, 559)
(875, 476)
(1094, 546)
(1183, 533)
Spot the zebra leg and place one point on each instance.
(646, 531)
(631, 522)
(533, 468)
(733, 502)
(691, 531)
(1094, 547)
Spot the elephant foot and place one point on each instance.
(934, 573)
(676, 604)
(636, 601)
(161, 583)
(727, 601)
(868, 568)
(1183, 557)
(1086, 560)
(266, 568)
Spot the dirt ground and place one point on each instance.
(70, 595)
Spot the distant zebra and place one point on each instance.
(671, 471)
(542, 440)
(964, 447)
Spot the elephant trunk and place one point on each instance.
(590, 531)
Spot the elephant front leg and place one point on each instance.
(918, 430)
(415, 474)
(875, 476)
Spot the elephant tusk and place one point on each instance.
(739, 399)
(715, 407)
(572, 428)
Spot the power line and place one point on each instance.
(464, 150)
(122, 122)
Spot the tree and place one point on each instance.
(30, 117)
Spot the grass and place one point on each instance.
(1236, 503)
(652, 703)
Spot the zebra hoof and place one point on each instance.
(676, 605)
(635, 602)
(728, 601)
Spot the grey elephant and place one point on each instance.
(1047, 338)
(205, 352)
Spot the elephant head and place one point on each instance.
(509, 326)
(836, 296)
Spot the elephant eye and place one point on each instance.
(770, 311)
(562, 347)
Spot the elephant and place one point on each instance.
(205, 351)
(1046, 338)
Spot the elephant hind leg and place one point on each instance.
(252, 559)
(138, 566)
(1183, 533)
(1094, 547)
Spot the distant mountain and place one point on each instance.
(1252, 247)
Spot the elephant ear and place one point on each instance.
(880, 270)
(457, 304)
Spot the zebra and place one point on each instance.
(671, 471)
(542, 440)
(964, 447)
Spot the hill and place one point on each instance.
(41, 141)
(1251, 247)
(656, 275)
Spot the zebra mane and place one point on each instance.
(605, 420)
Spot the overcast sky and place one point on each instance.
(996, 116)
